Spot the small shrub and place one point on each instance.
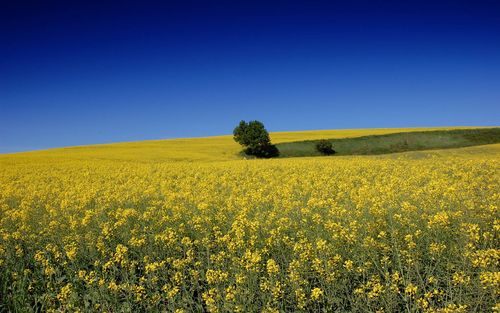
(325, 147)
(264, 151)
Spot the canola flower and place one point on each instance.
(347, 234)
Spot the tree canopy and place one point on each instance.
(254, 137)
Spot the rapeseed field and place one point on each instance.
(188, 226)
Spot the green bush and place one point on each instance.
(254, 137)
(325, 147)
(265, 151)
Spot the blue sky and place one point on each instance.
(84, 72)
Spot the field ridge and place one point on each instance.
(396, 142)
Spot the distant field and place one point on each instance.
(396, 142)
(187, 225)
(208, 149)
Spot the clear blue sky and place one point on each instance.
(84, 72)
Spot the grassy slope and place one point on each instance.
(209, 149)
(396, 142)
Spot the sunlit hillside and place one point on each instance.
(217, 148)
(188, 225)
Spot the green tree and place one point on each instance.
(254, 137)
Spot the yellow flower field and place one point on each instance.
(186, 226)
